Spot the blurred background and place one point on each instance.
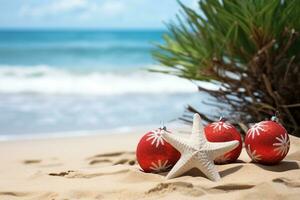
(77, 65)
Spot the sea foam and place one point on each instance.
(44, 79)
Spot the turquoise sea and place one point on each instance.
(77, 80)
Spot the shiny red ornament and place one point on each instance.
(223, 131)
(267, 142)
(154, 154)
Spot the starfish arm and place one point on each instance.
(207, 167)
(216, 149)
(183, 165)
(178, 143)
(198, 130)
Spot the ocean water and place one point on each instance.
(66, 81)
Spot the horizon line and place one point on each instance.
(82, 29)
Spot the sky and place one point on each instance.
(119, 14)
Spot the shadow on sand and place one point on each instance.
(281, 167)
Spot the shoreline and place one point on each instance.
(176, 125)
(73, 134)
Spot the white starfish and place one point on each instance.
(156, 137)
(255, 157)
(283, 144)
(159, 166)
(197, 152)
(219, 125)
(256, 129)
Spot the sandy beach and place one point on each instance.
(104, 167)
(83, 83)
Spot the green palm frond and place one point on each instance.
(255, 40)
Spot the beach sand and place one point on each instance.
(104, 167)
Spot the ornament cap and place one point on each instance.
(163, 126)
(222, 119)
(275, 118)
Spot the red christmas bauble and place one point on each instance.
(223, 131)
(154, 154)
(267, 142)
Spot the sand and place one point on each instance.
(104, 167)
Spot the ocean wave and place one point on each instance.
(77, 44)
(70, 49)
(44, 79)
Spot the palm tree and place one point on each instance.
(251, 49)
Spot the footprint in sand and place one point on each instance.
(90, 174)
(27, 195)
(114, 158)
(182, 187)
(61, 173)
(287, 182)
(14, 194)
(233, 187)
(51, 162)
(31, 161)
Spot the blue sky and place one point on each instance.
(88, 13)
